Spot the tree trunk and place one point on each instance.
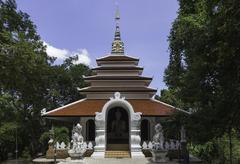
(230, 144)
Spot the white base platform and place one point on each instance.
(69, 161)
(137, 155)
(134, 155)
(98, 155)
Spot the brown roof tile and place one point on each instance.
(88, 107)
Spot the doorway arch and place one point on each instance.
(134, 127)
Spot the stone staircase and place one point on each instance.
(117, 154)
(117, 147)
(117, 151)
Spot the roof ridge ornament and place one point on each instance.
(117, 96)
(117, 44)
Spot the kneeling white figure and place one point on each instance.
(78, 146)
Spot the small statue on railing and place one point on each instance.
(158, 138)
(159, 150)
(78, 147)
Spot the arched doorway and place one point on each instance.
(90, 130)
(117, 129)
(145, 130)
(101, 122)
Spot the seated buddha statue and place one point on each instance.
(118, 125)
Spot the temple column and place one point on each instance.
(136, 149)
(99, 149)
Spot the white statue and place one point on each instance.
(90, 145)
(144, 145)
(69, 146)
(177, 145)
(62, 145)
(172, 145)
(50, 141)
(77, 138)
(158, 138)
(78, 148)
(167, 146)
(57, 145)
(160, 148)
(43, 111)
(183, 134)
(150, 145)
(84, 145)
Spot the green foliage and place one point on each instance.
(59, 134)
(217, 151)
(29, 82)
(204, 65)
(7, 132)
(26, 154)
(170, 96)
(204, 68)
(23, 76)
(64, 81)
(7, 137)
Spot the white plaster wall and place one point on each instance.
(103, 95)
(118, 72)
(118, 63)
(118, 83)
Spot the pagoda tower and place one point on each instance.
(118, 72)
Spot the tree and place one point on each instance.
(64, 81)
(204, 67)
(29, 81)
(7, 126)
(24, 70)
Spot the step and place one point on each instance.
(117, 154)
(118, 147)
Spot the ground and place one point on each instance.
(120, 161)
(89, 160)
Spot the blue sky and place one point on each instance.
(86, 28)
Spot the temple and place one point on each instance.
(119, 111)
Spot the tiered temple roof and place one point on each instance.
(118, 73)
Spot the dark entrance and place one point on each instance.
(145, 136)
(90, 130)
(117, 128)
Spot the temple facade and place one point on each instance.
(119, 111)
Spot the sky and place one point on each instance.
(86, 28)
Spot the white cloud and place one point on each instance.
(56, 52)
(62, 54)
(83, 57)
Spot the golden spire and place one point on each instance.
(117, 44)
